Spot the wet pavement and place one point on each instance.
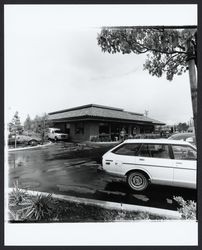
(64, 168)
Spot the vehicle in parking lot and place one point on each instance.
(23, 139)
(56, 134)
(153, 161)
(189, 137)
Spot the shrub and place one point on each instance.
(94, 138)
(187, 208)
(39, 208)
(24, 207)
(17, 196)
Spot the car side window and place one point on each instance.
(184, 152)
(127, 149)
(144, 151)
(155, 151)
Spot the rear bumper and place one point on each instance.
(101, 169)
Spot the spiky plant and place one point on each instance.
(39, 209)
(17, 196)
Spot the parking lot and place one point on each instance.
(64, 168)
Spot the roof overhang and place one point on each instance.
(105, 119)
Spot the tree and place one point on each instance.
(15, 126)
(169, 51)
(27, 123)
(182, 127)
(41, 125)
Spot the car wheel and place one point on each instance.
(137, 181)
(56, 139)
(33, 142)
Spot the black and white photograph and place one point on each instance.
(100, 124)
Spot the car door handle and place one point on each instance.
(179, 163)
(141, 159)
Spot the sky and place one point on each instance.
(53, 62)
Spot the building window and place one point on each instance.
(67, 128)
(79, 128)
(103, 128)
(67, 125)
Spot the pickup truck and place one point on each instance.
(55, 134)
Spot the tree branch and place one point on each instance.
(169, 59)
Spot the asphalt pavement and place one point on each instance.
(63, 168)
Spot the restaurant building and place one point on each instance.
(101, 123)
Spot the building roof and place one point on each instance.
(97, 111)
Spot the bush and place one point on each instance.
(94, 138)
(23, 207)
(39, 208)
(187, 208)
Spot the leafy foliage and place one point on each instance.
(187, 209)
(167, 49)
(182, 127)
(39, 208)
(38, 125)
(15, 125)
(27, 123)
(23, 207)
(17, 196)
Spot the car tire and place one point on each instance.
(56, 139)
(33, 142)
(137, 181)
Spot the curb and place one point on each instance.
(31, 147)
(169, 214)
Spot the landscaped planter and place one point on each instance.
(30, 206)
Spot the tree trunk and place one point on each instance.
(15, 140)
(193, 87)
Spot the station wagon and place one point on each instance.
(153, 161)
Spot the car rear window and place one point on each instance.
(184, 152)
(127, 149)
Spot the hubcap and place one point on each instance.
(137, 180)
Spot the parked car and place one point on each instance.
(153, 161)
(147, 136)
(56, 134)
(23, 139)
(189, 137)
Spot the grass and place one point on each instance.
(27, 208)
